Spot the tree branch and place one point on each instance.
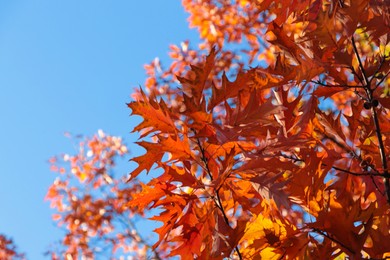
(218, 201)
(333, 239)
(365, 79)
(369, 93)
(382, 79)
(382, 153)
(365, 173)
(346, 86)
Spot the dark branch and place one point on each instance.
(346, 86)
(333, 240)
(382, 79)
(369, 93)
(365, 79)
(365, 173)
(218, 201)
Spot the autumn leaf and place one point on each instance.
(228, 89)
(155, 116)
(145, 162)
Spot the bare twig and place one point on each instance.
(136, 236)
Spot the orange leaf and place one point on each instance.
(155, 116)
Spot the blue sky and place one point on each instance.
(68, 66)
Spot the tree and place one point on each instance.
(272, 139)
(288, 159)
(8, 249)
(91, 202)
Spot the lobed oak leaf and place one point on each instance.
(229, 89)
(262, 79)
(151, 194)
(191, 106)
(296, 244)
(245, 195)
(168, 217)
(255, 112)
(328, 91)
(178, 149)
(283, 69)
(264, 232)
(194, 87)
(145, 162)
(341, 223)
(223, 149)
(355, 11)
(225, 170)
(238, 231)
(208, 131)
(353, 119)
(331, 127)
(284, 41)
(155, 116)
(289, 115)
(199, 120)
(183, 175)
(270, 189)
(308, 114)
(191, 243)
(378, 242)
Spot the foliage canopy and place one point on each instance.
(272, 138)
(287, 159)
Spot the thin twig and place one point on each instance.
(365, 79)
(346, 86)
(382, 79)
(333, 239)
(360, 159)
(356, 74)
(383, 59)
(365, 173)
(204, 159)
(382, 153)
(137, 236)
(218, 202)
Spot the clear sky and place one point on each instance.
(68, 66)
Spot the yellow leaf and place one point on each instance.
(268, 253)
